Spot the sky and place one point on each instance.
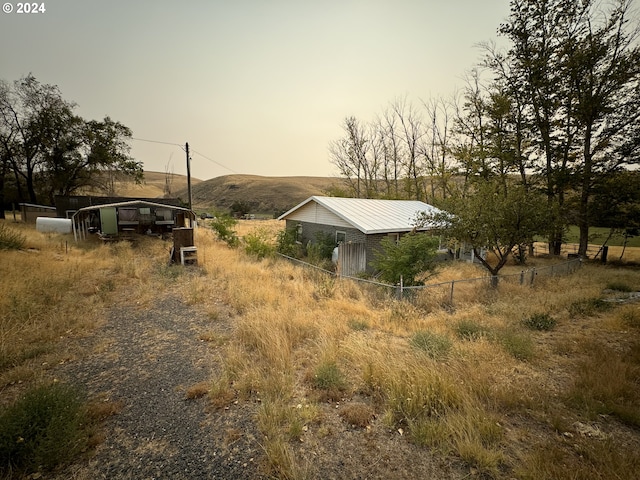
(254, 86)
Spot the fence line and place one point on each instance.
(403, 292)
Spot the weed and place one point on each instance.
(517, 344)
(358, 325)
(42, 429)
(470, 330)
(540, 321)
(433, 344)
(357, 414)
(198, 390)
(588, 307)
(328, 376)
(11, 239)
(630, 316)
(619, 287)
(283, 461)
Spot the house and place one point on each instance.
(355, 221)
(133, 216)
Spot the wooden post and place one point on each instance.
(182, 237)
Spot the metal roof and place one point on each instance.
(372, 215)
(130, 203)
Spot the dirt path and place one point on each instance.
(145, 360)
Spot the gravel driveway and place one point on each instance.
(146, 359)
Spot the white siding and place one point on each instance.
(312, 212)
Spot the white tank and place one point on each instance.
(56, 225)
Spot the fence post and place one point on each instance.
(453, 282)
(533, 275)
(521, 277)
(400, 287)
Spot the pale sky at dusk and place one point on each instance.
(259, 86)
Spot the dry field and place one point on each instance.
(524, 382)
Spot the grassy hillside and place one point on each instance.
(151, 187)
(265, 195)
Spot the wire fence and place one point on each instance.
(449, 292)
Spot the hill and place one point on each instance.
(262, 194)
(153, 186)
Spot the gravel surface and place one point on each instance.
(145, 359)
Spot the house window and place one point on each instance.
(299, 233)
(394, 237)
(341, 237)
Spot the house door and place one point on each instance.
(108, 221)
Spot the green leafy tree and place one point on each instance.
(414, 254)
(491, 219)
(49, 150)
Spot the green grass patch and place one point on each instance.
(43, 429)
(588, 307)
(620, 287)
(470, 330)
(433, 344)
(517, 344)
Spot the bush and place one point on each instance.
(321, 249)
(412, 255)
(42, 429)
(10, 239)
(432, 344)
(257, 244)
(540, 321)
(223, 226)
(286, 243)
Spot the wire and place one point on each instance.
(156, 141)
(183, 148)
(213, 161)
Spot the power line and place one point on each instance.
(157, 141)
(213, 161)
(182, 147)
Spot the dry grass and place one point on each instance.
(498, 397)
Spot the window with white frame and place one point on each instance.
(341, 237)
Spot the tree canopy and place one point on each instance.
(46, 149)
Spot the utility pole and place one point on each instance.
(186, 148)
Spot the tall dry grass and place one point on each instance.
(303, 338)
(298, 342)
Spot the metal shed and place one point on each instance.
(114, 220)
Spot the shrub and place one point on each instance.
(223, 226)
(412, 255)
(432, 344)
(10, 239)
(540, 321)
(257, 244)
(42, 429)
(321, 249)
(286, 243)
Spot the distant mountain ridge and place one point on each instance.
(262, 194)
